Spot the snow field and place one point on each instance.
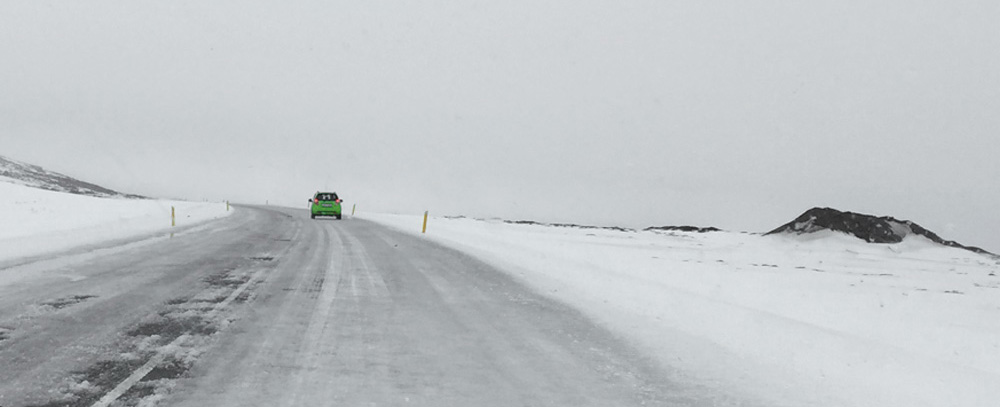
(34, 221)
(821, 320)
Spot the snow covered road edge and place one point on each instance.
(37, 222)
(825, 321)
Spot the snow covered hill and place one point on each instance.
(814, 319)
(21, 173)
(39, 216)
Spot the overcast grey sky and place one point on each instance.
(737, 114)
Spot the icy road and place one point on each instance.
(269, 308)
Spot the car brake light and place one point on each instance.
(316, 200)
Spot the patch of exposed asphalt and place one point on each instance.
(224, 279)
(4, 335)
(84, 388)
(93, 382)
(135, 395)
(213, 300)
(60, 303)
(169, 326)
(262, 258)
(157, 381)
(171, 368)
(178, 301)
(189, 315)
(243, 297)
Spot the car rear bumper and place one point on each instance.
(326, 211)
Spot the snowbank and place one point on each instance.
(35, 222)
(825, 320)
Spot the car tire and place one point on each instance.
(338, 217)
(312, 216)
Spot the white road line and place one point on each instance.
(161, 354)
(137, 375)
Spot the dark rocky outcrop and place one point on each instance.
(38, 177)
(869, 228)
(567, 225)
(684, 229)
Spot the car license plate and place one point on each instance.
(327, 205)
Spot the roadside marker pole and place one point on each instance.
(425, 223)
(227, 206)
(353, 207)
(173, 217)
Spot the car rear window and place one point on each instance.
(326, 197)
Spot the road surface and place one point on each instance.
(269, 308)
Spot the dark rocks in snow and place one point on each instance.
(567, 225)
(685, 229)
(616, 228)
(38, 177)
(869, 228)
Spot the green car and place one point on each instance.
(325, 204)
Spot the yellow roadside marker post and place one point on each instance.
(173, 217)
(227, 206)
(353, 207)
(425, 223)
